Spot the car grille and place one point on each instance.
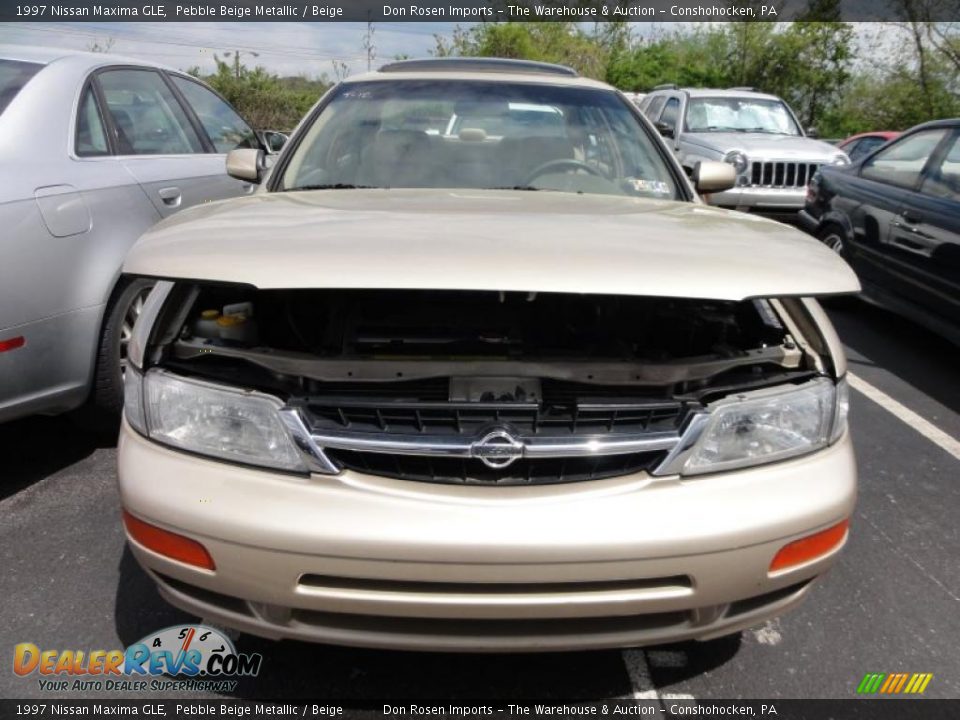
(572, 432)
(451, 418)
(468, 471)
(781, 173)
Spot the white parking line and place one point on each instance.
(641, 684)
(639, 673)
(908, 416)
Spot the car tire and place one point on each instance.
(834, 237)
(106, 396)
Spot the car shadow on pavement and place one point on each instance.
(304, 670)
(914, 354)
(36, 447)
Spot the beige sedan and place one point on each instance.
(477, 370)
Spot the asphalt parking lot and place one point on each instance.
(891, 605)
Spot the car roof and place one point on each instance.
(885, 134)
(946, 122)
(710, 92)
(47, 55)
(487, 69)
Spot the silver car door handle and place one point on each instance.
(171, 196)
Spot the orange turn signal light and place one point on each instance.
(811, 547)
(167, 543)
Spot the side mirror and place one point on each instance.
(711, 177)
(665, 129)
(245, 164)
(812, 132)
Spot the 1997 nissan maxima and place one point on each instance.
(475, 369)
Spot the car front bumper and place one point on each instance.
(374, 562)
(760, 198)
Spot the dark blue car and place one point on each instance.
(895, 217)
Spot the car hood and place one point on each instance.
(765, 146)
(489, 240)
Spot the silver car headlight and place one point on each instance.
(841, 159)
(738, 160)
(769, 425)
(209, 419)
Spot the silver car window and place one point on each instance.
(226, 129)
(91, 136)
(147, 117)
(14, 74)
(670, 112)
(739, 114)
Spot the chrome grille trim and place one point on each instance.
(782, 173)
(312, 444)
(533, 447)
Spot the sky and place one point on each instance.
(285, 48)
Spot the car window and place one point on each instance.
(653, 107)
(227, 130)
(864, 146)
(670, 112)
(739, 114)
(943, 180)
(902, 162)
(480, 135)
(148, 118)
(14, 74)
(91, 136)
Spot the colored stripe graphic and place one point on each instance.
(894, 683)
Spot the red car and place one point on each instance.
(858, 146)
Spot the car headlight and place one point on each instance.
(209, 419)
(769, 425)
(841, 159)
(738, 160)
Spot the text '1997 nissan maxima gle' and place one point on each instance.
(476, 369)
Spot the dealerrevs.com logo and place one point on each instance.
(194, 656)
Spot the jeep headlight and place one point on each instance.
(738, 160)
(769, 425)
(841, 159)
(210, 419)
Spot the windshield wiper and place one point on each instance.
(528, 188)
(766, 131)
(332, 186)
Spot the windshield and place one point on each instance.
(14, 74)
(740, 114)
(476, 134)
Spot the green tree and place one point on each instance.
(269, 102)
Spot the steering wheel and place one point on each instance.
(561, 163)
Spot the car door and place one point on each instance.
(223, 126)
(925, 236)
(873, 199)
(159, 143)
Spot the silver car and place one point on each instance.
(94, 149)
(756, 133)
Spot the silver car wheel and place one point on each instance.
(834, 241)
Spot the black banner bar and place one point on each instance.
(663, 708)
(660, 11)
